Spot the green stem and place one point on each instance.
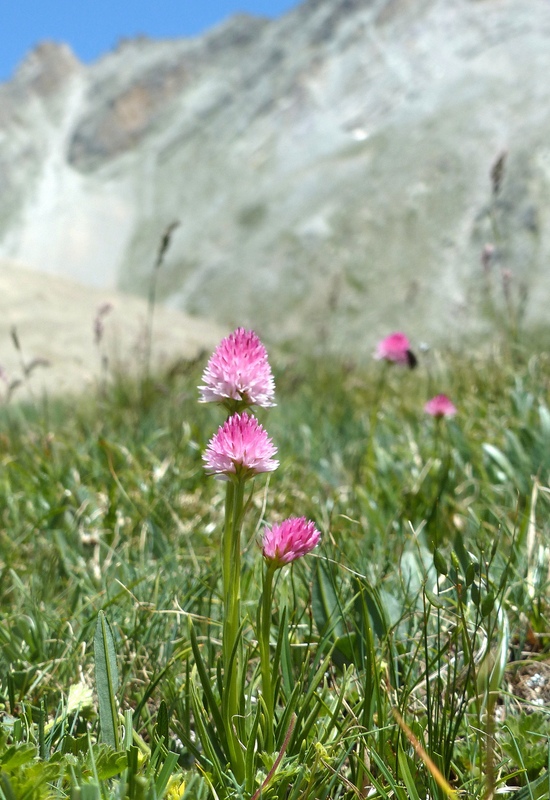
(227, 544)
(442, 448)
(232, 620)
(265, 662)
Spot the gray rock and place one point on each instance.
(331, 170)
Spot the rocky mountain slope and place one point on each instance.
(330, 170)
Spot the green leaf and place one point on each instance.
(89, 791)
(162, 724)
(536, 790)
(166, 772)
(434, 600)
(544, 416)
(106, 678)
(6, 787)
(17, 755)
(500, 460)
(346, 650)
(207, 688)
(107, 762)
(406, 774)
(526, 741)
(470, 574)
(283, 642)
(440, 564)
(487, 604)
(251, 749)
(377, 609)
(397, 790)
(326, 608)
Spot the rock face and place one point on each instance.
(330, 170)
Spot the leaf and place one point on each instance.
(168, 768)
(106, 678)
(207, 688)
(307, 710)
(487, 604)
(325, 605)
(544, 416)
(346, 650)
(500, 460)
(398, 790)
(470, 574)
(251, 749)
(440, 563)
(526, 741)
(536, 790)
(162, 724)
(89, 791)
(406, 774)
(6, 787)
(107, 762)
(16, 756)
(283, 642)
(378, 606)
(74, 744)
(434, 600)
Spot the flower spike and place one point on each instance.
(238, 373)
(292, 539)
(240, 448)
(440, 406)
(396, 349)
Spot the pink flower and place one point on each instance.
(440, 406)
(241, 447)
(238, 373)
(292, 539)
(396, 348)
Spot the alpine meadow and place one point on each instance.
(359, 609)
(275, 410)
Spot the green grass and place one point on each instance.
(428, 596)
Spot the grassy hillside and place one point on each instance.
(410, 650)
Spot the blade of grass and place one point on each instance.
(421, 753)
(106, 677)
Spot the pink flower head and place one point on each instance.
(397, 349)
(238, 373)
(440, 406)
(241, 448)
(292, 539)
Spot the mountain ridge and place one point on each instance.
(330, 169)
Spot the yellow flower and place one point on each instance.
(176, 788)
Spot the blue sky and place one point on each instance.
(92, 27)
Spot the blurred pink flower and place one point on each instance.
(241, 447)
(238, 373)
(292, 539)
(440, 406)
(396, 348)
